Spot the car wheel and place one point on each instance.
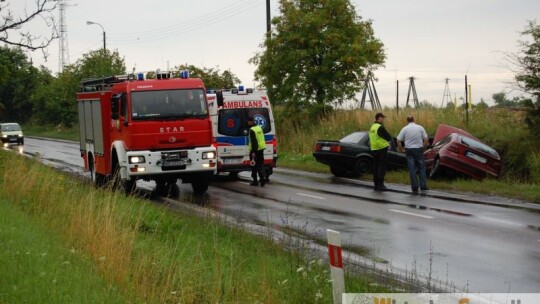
(338, 171)
(362, 166)
(436, 169)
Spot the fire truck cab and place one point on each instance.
(155, 129)
(229, 119)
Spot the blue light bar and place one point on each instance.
(140, 76)
(184, 74)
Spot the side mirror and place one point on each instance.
(219, 98)
(115, 106)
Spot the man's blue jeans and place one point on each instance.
(417, 166)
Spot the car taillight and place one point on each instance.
(318, 147)
(335, 148)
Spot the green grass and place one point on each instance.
(145, 251)
(37, 268)
(52, 132)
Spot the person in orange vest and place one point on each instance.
(379, 140)
(257, 145)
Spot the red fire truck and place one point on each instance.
(155, 129)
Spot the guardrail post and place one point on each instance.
(336, 264)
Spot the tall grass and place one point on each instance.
(153, 255)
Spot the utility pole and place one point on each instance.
(397, 97)
(466, 102)
(446, 95)
(369, 89)
(268, 21)
(63, 49)
(412, 88)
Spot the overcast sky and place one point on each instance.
(428, 39)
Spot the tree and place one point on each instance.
(528, 74)
(13, 27)
(528, 60)
(55, 101)
(318, 54)
(99, 63)
(212, 77)
(482, 105)
(17, 82)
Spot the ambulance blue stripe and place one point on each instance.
(238, 141)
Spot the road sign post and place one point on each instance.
(336, 264)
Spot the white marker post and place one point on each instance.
(336, 264)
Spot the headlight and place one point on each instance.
(4, 136)
(136, 159)
(209, 155)
(20, 135)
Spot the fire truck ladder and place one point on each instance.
(413, 89)
(100, 84)
(369, 88)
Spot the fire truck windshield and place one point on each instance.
(168, 104)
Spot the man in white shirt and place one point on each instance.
(416, 140)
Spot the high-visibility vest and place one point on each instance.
(375, 141)
(259, 134)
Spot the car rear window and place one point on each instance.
(476, 145)
(233, 122)
(353, 138)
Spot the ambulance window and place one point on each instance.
(231, 122)
(262, 118)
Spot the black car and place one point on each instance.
(351, 155)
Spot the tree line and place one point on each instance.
(315, 58)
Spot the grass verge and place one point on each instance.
(51, 132)
(36, 268)
(148, 253)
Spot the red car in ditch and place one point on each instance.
(455, 150)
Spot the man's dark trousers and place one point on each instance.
(379, 167)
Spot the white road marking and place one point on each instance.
(501, 221)
(312, 196)
(409, 213)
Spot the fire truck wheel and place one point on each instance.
(129, 186)
(98, 179)
(200, 186)
(168, 189)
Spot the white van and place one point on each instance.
(230, 128)
(11, 133)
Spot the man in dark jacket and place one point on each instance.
(379, 140)
(257, 144)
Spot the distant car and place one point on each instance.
(455, 150)
(352, 156)
(11, 133)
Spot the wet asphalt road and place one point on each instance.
(479, 247)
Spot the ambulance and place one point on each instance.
(229, 111)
